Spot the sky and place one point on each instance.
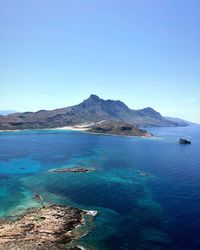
(55, 53)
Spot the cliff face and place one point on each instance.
(93, 109)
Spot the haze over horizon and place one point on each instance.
(144, 53)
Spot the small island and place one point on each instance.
(72, 170)
(42, 228)
(118, 128)
(184, 141)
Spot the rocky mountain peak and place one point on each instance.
(93, 97)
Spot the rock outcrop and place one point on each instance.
(118, 128)
(72, 170)
(44, 228)
(184, 141)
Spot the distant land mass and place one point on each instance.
(7, 112)
(180, 121)
(91, 110)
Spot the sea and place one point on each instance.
(146, 190)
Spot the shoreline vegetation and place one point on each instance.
(48, 227)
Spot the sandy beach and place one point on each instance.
(74, 128)
(84, 127)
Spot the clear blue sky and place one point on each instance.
(55, 53)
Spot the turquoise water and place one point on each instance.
(145, 189)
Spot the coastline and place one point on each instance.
(48, 226)
(80, 128)
(130, 136)
(71, 128)
(114, 148)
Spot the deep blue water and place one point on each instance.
(147, 190)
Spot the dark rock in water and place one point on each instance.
(38, 197)
(75, 170)
(184, 141)
(44, 228)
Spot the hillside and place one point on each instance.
(90, 110)
(180, 121)
(117, 128)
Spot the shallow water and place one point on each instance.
(145, 189)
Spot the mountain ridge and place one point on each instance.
(93, 109)
(180, 121)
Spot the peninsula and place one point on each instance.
(118, 128)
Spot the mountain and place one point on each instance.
(180, 121)
(90, 110)
(7, 112)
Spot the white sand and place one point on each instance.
(81, 127)
(75, 128)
